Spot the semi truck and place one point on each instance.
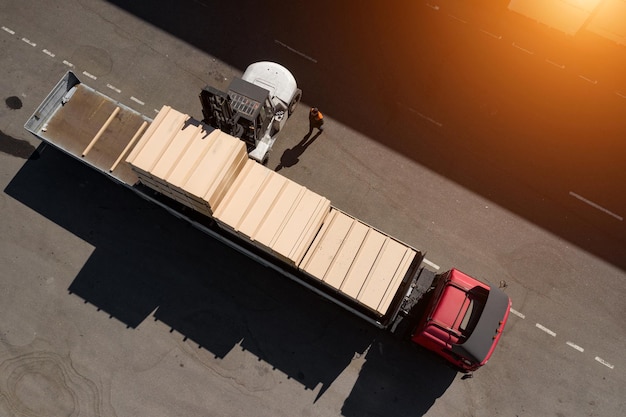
(204, 176)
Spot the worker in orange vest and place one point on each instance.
(316, 120)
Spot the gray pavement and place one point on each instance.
(111, 307)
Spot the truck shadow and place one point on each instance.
(148, 264)
(397, 379)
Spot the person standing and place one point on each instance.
(316, 120)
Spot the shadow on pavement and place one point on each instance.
(146, 263)
(291, 156)
(397, 379)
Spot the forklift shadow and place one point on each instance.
(291, 156)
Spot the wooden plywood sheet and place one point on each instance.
(319, 260)
(214, 166)
(175, 151)
(238, 199)
(145, 138)
(261, 205)
(363, 263)
(358, 260)
(344, 258)
(386, 275)
(179, 155)
(300, 226)
(187, 163)
(281, 207)
(218, 189)
(279, 215)
(157, 143)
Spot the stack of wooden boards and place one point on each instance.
(209, 171)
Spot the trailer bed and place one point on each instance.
(85, 124)
(242, 203)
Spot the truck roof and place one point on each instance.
(482, 341)
(468, 314)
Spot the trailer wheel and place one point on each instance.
(295, 100)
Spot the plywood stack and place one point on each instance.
(186, 161)
(358, 260)
(277, 214)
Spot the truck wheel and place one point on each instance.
(295, 100)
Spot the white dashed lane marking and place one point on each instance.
(589, 80)
(575, 346)
(518, 314)
(596, 206)
(431, 264)
(457, 18)
(295, 51)
(528, 51)
(493, 35)
(6, 29)
(603, 362)
(117, 90)
(545, 329)
(549, 61)
(28, 41)
(136, 100)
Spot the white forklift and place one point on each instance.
(255, 108)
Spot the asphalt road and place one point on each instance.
(490, 142)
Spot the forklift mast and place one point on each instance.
(244, 111)
(217, 110)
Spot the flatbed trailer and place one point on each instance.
(203, 176)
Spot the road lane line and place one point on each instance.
(69, 64)
(423, 116)
(575, 346)
(457, 18)
(28, 41)
(117, 90)
(87, 74)
(295, 51)
(523, 49)
(549, 61)
(7, 30)
(589, 79)
(545, 329)
(603, 362)
(620, 94)
(517, 313)
(136, 100)
(493, 35)
(47, 52)
(431, 264)
(595, 205)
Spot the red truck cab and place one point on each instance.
(464, 320)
